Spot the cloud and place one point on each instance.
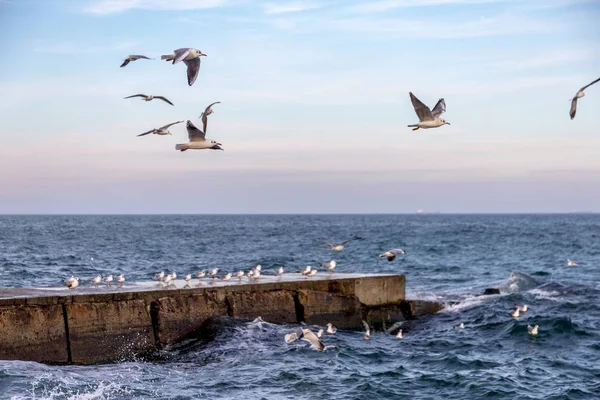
(380, 6)
(105, 7)
(297, 6)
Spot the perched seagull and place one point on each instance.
(571, 263)
(579, 95)
(201, 274)
(312, 273)
(239, 275)
(335, 247)
(532, 330)
(187, 278)
(428, 118)
(320, 333)
(108, 280)
(160, 276)
(391, 254)
(149, 97)
(163, 130)
(305, 270)
(257, 268)
(72, 282)
(133, 58)
(96, 281)
(168, 279)
(197, 140)
(522, 308)
(121, 280)
(330, 266)
(399, 334)
(279, 272)
(207, 111)
(191, 58)
(367, 331)
(174, 275)
(255, 274)
(515, 314)
(225, 277)
(250, 274)
(331, 329)
(213, 273)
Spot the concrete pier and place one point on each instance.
(88, 324)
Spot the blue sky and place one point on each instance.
(314, 106)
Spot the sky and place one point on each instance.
(314, 106)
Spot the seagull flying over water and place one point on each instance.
(163, 130)
(149, 97)
(428, 118)
(335, 247)
(367, 331)
(198, 140)
(133, 58)
(207, 111)
(391, 254)
(571, 263)
(579, 95)
(532, 330)
(516, 313)
(191, 58)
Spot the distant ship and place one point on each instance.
(427, 212)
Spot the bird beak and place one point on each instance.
(448, 123)
(202, 54)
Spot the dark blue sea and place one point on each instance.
(450, 258)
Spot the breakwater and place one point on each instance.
(90, 325)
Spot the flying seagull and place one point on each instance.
(571, 263)
(532, 330)
(367, 331)
(133, 58)
(335, 247)
(198, 140)
(307, 335)
(207, 111)
(428, 118)
(149, 97)
(163, 130)
(191, 58)
(391, 254)
(579, 95)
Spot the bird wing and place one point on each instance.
(327, 244)
(344, 242)
(590, 84)
(439, 108)
(164, 99)
(296, 334)
(367, 329)
(168, 125)
(204, 115)
(135, 95)
(180, 54)
(423, 112)
(125, 62)
(137, 57)
(194, 134)
(311, 338)
(573, 107)
(145, 133)
(193, 68)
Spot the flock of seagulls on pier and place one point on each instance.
(428, 118)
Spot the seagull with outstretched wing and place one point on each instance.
(579, 95)
(427, 118)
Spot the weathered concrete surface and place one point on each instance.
(33, 334)
(176, 318)
(108, 330)
(276, 306)
(418, 308)
(319, 308)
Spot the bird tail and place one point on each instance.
(168, 57)
(182, 147)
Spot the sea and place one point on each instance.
(449, 258)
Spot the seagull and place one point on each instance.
(96, 281)
(335, 247)
(201, 274)
(213, 273)
(532, 330)
(391, 254)
(312, 273)
(313, 339)
(291, 337)
(174, 275)
(197, 140)
(515, 314)
(160, 276)
(163, 130)
(255, 274)
(133, 58)
(572, 263)
(305, 270)
(72, 282)
(461, 326)
(149, 97)
(579, 95)
(187, 278)
(257, 268)
(330, 266)
(250, 274)
(225, 277)
(279, 272)
(108, 280)
(191, 58)
(399, 334)
(331, 329)
(168, 279)
(428, 118)
(320, 333)
(367, 331)
(522, 308)
(239, 275)
(121, 279)
(207, 111)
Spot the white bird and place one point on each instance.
(160, 275)
(515, 314)
(335, 247)
(367, 331)
(213, 273)
(257, 268)
(72, 282)
(168, 279)
(331, 329)
(201, 274)
(428, 118)
(121, 279)
(108, 280)
(174, 275)
(225, 277)
(97, 280)
(191, 58)
(207, 111)
(187, 278)
(571, 263)
(399, 334)
(579, 95)
(256, 274)
(149, 97)
(279, 272)
(133, 58)
(310, 337)
(197, 140)
(330, 266)
(312, 273)
(291, 337)
(163, 130)
(461, 326)
(305, 270)
(391, 254)
(522, 308)
(250, 274)
(532, 330)
(239, 275)
(320, 333)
